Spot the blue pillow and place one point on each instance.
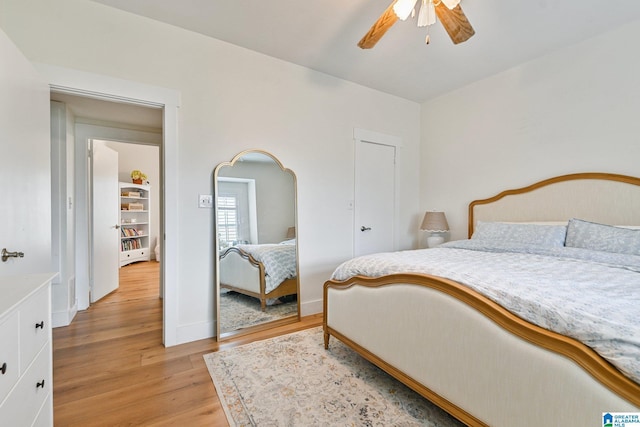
(601, 237)
(527, 234)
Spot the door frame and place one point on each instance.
(106, 88)
(372, 137)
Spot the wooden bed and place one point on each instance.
(240, 272)
(469, 355)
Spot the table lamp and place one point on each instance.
(435, 223)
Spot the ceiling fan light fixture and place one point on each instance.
(403, 8)
(451, 3)
(448, 12)
(427, 14)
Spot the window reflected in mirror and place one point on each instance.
(256, 245)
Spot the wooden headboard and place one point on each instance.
(599, 197)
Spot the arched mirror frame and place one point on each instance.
(220, 335)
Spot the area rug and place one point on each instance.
(291, 380)
(238, 311)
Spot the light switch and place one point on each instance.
(205, 201)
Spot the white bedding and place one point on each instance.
(591, 296)
(279, 262)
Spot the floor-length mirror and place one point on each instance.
(256, 246)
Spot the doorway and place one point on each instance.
(135, 134)
(136, 232)
(126, 92)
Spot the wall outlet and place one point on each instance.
(205, 201)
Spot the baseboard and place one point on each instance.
(63, 318)
(195, 332)
(311, 307)
(200, 331)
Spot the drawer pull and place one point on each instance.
(40, 384)
(6, 254)
(40, 325)
(3, 368)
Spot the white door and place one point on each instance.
(106, 231)
(374, 198)
(25, 168)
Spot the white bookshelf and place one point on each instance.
(134, 223)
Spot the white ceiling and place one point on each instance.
(322, 35)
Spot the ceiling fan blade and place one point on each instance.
(455, 22)
(377, 30)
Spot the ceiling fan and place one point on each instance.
(448, 11)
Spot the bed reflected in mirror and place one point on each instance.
(256, 246)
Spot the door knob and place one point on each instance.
(363, 228)
(6, 254)
(116, 226)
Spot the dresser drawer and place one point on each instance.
(26, 401)
(35, 327)
(45, 417)
(9, 365)
(134, 255)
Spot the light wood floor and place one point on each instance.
(111, 369)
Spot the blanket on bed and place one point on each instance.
(279, 262)
(591, 296)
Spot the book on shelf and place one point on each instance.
(131, 207)
(131, 232)
(130, 244)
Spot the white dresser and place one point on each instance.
(25, 350)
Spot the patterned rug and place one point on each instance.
(292, 380)
(239, 311)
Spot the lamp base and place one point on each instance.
(433, 241)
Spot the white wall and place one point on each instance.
(233, 99)
(63, 295)
(574, 110)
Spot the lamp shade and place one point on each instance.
(435, 222)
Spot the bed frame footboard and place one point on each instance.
(470, 356)
(240, 272)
